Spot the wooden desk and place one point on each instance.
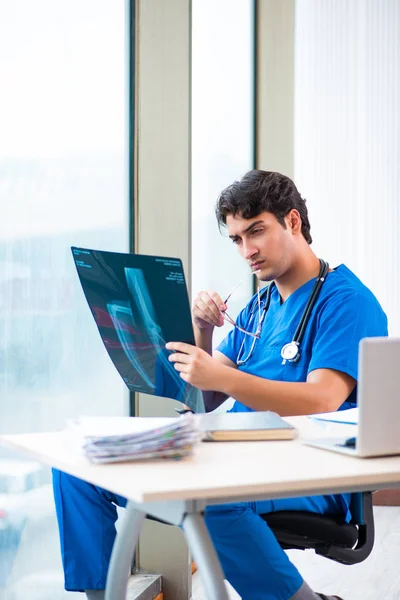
(177, 491)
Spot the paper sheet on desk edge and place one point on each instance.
(346, 417)
(89, 426)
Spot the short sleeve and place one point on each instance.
(342, 323)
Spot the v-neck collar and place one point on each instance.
(305, 287)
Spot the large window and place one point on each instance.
(63, 182)
(222, 138)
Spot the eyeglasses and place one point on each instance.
(229, 319)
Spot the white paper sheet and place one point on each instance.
(104, 426)
(349, 416)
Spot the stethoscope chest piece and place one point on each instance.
(290, 352)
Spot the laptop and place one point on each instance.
(378, 396)
(139, 303)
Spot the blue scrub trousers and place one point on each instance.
(251, 558)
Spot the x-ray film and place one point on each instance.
(140, 303)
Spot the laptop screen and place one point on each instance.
(140, 303)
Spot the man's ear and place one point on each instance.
(294, 221)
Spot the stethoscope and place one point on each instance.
(290, 352)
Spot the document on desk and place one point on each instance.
(345, 417)
(117, 439)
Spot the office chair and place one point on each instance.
(329, 536)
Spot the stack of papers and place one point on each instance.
(116, 439)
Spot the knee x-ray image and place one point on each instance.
(140, 303)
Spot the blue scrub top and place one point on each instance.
(345, 312)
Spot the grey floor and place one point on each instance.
(377, 578)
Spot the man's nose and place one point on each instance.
(249, 251)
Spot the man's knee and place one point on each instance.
(67, 485)
(227, 520)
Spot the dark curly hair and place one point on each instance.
(262, 191)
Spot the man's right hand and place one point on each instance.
(207, 310)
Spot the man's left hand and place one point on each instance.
(196, 366)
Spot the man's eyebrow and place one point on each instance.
(247, 228)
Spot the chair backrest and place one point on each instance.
(329, 536)
(357, 507)
(363, 518)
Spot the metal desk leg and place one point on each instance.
(122, 553)
(205, 556)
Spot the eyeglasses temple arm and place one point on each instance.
(240, 283)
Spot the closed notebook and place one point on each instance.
(246, 426)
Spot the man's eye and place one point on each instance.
(235, 240)
(256, 231)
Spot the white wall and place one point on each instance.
(347, 137)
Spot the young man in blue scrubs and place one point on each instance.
(267, 220)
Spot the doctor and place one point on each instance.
(293, 350)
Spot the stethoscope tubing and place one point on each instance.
(301, 328)
(299, 333)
